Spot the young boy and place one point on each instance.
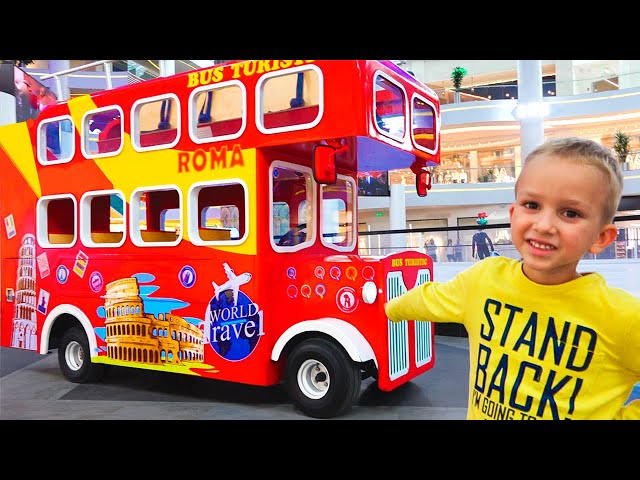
(546, 342)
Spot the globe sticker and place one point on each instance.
(233, 322)
(187, 276)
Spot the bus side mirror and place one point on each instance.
(423, 183)
(323, 164)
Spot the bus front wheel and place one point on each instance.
(74, 358)
(321, 379)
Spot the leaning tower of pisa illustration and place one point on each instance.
(24, 313)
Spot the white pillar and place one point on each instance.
(167, 68)
(629, 76)
(564, 78)
(397, 217)
(530, 105)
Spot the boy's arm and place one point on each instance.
(433, 301)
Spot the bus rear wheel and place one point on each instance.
(321, 379)
(74, 358)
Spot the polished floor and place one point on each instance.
(33, 388)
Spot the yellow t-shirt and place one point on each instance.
(569, 351)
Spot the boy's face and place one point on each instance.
(557, 218)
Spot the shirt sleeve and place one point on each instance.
(630, 411)
(433, 301)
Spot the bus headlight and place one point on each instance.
(369, 292)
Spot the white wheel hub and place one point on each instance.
(313, 379)
(74, 356)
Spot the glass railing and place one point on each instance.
(450, 173)
(383, 243)
(472, 91)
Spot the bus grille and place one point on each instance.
(423, 329)
(399, 331)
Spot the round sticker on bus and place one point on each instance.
(187, 276)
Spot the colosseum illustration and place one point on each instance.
(24, 333)
(134, 336)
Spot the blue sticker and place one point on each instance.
(187, 276)
(62, 274)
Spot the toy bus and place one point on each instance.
(205, 223)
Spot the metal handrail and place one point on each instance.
(56, 76)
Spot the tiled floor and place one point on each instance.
(32, 387)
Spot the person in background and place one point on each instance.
(450, 253)
(457, 251)
(431, 249)
(480, 244)
(546, 341)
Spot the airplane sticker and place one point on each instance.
(233, 283)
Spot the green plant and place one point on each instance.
(457, 75)
(621, 145)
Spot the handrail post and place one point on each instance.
(58, 86)
(107, 73)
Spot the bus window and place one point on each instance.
(289, 101)
(337, 212)
(292, 207)
(56, 221)
(102, 132)
(56, 141)
(218, 213)
(218, 112)
(424, 120)
(156, 217)
(102, 219)
(154, 123)
(389, 107)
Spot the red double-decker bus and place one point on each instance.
(206, 224)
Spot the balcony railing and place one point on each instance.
(385, 242)
(474, 91)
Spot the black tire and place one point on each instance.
(74, 358)
(321, 379)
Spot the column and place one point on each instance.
(61, 89)
(517, 160)
(629, 74)
(397, 217)
(530, 109)
(564, 78)
(474, 167)
(167, 68)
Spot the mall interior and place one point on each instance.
(500, 110)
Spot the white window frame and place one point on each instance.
(85, 218)
(42, 231)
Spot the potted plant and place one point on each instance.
(457, 75)
(622, 146)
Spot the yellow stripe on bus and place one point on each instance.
(14, 139)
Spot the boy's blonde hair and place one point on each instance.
(587, 152)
